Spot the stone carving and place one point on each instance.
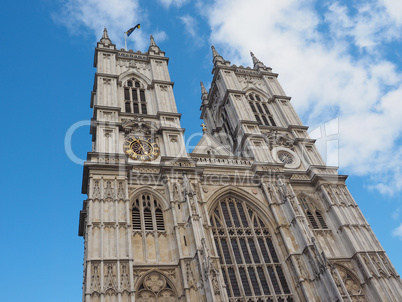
(302, 270)
(109, 190)
(368, 264)
(387, 264)
(133, 64)
(190, 276)
(250, 81)
(300, 177)
(164, 88)
(156, 289)
(110, 284)
(345, 280)
(125, 279)
(187, 188)
(215, 282)
(155, 282)
(294, 205)
(176, 195)
(137, 125)
(377, 264)
(276, 139)
(96, 192)
(120, 190)
(95, 278)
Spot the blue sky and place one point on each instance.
(340, 62)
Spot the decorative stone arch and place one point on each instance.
(248, 90)
(255, 203)
(132, 73)
(347, 283)
(155, 286)
(148, 190)
(247, 246)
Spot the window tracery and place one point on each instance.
(260, 110)
(147, 214)
(314, 216)
(250, 265)
(155, 288)
(345, 280)
(134, 97)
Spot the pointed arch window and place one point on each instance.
(134, 97)
(260, 109)
(147, 215)
(314, 217)
(249, 262)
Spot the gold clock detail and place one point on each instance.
(141, 148)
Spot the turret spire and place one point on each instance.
(203, 90)
(152, 41)
(153, 48)
(257, 63)
(105, 37)
(214, 52)
(204, 93)
(216, 56)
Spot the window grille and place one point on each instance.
(250, 265)
(260, 109)
(134, 98)
(147, 214)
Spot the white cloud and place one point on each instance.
(177, 3)
(326, 74)
(369, 27)
(394, 9)
(190, 25)
(397, 232)
(93, 15)
(191, 28)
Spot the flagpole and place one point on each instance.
(125, 40)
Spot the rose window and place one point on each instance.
(285, 157)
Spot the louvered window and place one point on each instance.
(147, 214)
(315, 218)
(260, 109)
(134, 97)
(250, 265)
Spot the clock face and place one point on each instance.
(141, 148)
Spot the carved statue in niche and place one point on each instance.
(176, 195)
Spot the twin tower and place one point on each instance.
(251, 214)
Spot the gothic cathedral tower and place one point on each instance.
(252, 214)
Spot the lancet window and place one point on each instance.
(250, 264)
(134, 97)
(147, 214)
(260, 109)
(314, 216)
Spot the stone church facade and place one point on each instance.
(251, 214)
